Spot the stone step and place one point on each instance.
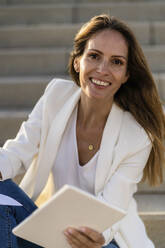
(155, 226)
(33, 14)
(27, 2)
(156, 57)
(150, 203)
(50, 35)
(11, 2)
(159, 34)
(144, 188)
(65, 13)
(137, 11)
(23, 92)
(10, 122)
(152, 211)
(52, 61)
(33, 61)
(111, 1)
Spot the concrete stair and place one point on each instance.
(36, 39)
(79, 12)
(152, 211)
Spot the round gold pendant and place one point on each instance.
(90, 147)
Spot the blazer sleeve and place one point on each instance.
(123, 183)
(17, 154)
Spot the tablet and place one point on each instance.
(70, 206)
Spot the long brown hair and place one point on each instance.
(138, 95)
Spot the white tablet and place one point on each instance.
(70, 206)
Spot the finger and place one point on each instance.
(93, 235)
(72, 239)
(71, 243)
(80, 239)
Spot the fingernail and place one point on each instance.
(70, 230)
(82, 229)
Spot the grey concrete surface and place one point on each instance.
(35, 14)
(10, 122)
(10, 2)
(19, 62)
(60, 13)
(55, 35)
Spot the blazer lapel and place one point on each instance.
(53, 140)
(109, 139)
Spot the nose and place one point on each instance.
(103, 67)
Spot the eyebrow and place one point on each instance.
(114, 56)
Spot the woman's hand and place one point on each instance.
(84, 237)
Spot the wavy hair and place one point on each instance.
(138, 95)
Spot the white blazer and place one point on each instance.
(124, 151)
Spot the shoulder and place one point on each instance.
(132, 134)
(57, 93)
(59, 90)
(59, 84)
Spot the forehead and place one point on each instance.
(109, 41)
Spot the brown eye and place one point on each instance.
(117, 62)
(93, 56)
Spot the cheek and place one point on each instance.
(85, 65)
(83, 76)
(82, 64)
(84, 72)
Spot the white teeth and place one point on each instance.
(98, 82)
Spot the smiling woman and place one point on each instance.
(102, 132)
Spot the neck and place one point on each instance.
(93, 113)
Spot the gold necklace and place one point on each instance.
(91, 147)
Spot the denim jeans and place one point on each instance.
(10, 216)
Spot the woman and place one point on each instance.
(103, 133)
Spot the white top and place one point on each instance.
(67, 169)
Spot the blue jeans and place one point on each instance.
(10, 216)
(112, 244)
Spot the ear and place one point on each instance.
(76, 65)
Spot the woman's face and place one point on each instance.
(103, 66)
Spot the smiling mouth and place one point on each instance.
(100, 82)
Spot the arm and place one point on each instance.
(122, 185)
(17, 154)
